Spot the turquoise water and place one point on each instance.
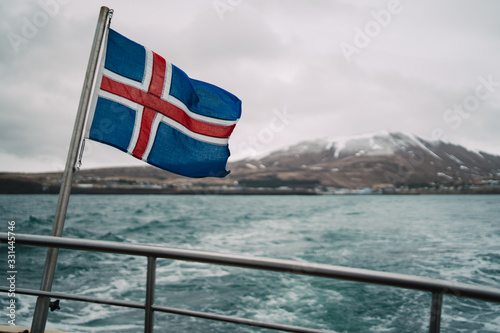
(455, 238)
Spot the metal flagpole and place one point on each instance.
(42, 303)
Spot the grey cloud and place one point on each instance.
(271, 54)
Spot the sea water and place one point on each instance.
(451, 237)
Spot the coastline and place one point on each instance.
(18, 183)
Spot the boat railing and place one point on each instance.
(437, 287)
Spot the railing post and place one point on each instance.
(150, 295)
(436, 306)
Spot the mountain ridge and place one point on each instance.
(381, 161)
(384, 157)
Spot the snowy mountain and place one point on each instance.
(384, 160)
(372, 159)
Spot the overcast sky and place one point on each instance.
(303, 69)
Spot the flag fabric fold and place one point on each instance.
(152, 110)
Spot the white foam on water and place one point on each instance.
(179, 271)
(448, 237)
(289, 303)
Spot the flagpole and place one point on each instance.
(42, 303)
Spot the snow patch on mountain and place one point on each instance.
(454, 158)
(376, 144)
(369, 144)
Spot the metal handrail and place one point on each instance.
(437, 287)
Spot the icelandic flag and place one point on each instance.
(150, 109)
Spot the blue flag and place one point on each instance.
(149, 108)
